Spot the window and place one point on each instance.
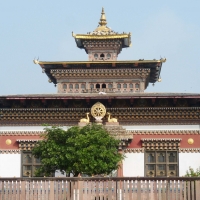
(29, 164)
(97, 86)
(104, 85)
(82, 86)
(95, 55)
(70, 86)
(130, 85)
(102, 55)
(110, 86)
(76, 86)
(64, 86)
(92, 86)
(124, 85)
(161, 163)
(108, 55)
(118, 85)
(137, 85)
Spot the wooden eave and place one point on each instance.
(154, 65)
(101, 37)
(106, 96)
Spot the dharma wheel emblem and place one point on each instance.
(98, 111)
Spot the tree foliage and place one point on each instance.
(192, 173)
(90, 150)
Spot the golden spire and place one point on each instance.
(103, 18)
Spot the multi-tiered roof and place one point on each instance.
(102, 73)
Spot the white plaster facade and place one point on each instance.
(10, 165)
(133, 164)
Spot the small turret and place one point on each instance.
(103, 44)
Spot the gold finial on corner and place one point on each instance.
(103, 21)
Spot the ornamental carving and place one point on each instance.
(26, 145)
(96, 73)
(165, 132)
(130, 115)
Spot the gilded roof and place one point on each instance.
(102, 31)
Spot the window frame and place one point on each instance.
(156, 163)
(32, 164)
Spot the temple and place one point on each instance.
(159, 132)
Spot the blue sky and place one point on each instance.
(44, 28)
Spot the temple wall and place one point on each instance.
(10, 165)
(187, 160)
(133, 164)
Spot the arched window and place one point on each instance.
(130, 85)
(76, 86)
(124, 85)
(64, 86)
(137, 85)
(108, 55)
(82, 86)
(92, 86)
(104, 85)
(95, 55)
(110, 86)
(97, 86)
(102, 55)
(70, 86)
(118, 85)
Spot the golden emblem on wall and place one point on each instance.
(190, 141)
(8, 142)
(98, 111)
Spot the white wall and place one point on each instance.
(163, 127)
(25, 128)
(10, 165)
(187, 160)
(133, 164)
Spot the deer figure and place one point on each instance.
(111, 119)
(87, 119)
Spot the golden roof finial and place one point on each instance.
(103, 18)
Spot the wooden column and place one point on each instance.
(120, 169)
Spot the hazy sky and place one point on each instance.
(29, 29)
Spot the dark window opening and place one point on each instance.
(103, 85)
(97, 86)
(102, 55)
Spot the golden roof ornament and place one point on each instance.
(102, 29)
(103, 18)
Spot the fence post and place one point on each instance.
(23, 192)
(51, 195)
(168, 189)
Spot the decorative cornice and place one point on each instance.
(129, 115)
(160, 143)
(181, 150)
(104, 73)
(189, 150)
(27, 145)
(164, 132)
(134, 150)
(10, 151)
(21, 133)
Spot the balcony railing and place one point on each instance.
(130, 188)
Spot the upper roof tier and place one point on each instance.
(102, 32)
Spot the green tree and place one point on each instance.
(192, 173)
(90, 150)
